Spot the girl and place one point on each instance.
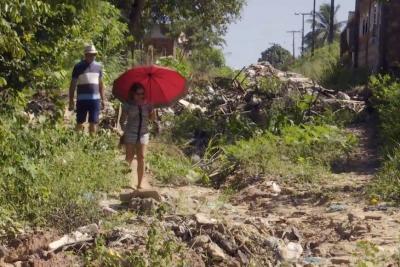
(134, 121)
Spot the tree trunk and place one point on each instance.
(332, 22)
(135, 15)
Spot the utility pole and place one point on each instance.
(302, 31)
(332, 22)
(313, 29)
(294, 45)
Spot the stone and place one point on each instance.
(204, 219)
(3, 252)
(243, 258)
(127, 195)
(373, 217)
(339, 261)
(343, 96)
(145, 206)
(290, 252)
(89, 229)
(216, 253)
(200, 241)
(336, 207)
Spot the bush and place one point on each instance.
(386, 184)
(325, 68)
(170, 165)
(50, 175)
(300, 153)
(386, 101)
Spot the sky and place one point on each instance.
(267, 21)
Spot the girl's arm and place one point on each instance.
(123, 118)
(153, 115)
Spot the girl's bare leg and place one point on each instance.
(141, 151)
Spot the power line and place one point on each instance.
(294, 44)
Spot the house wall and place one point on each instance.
(370, 21)
(392, 37)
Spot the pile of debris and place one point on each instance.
(244, 94)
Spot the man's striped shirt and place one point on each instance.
(88, 78)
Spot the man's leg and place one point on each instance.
(92, 128)
(94, 114)
(81, 114)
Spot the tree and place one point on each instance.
(322, 26)
(41, 39)
(278, 56)
(203, 21)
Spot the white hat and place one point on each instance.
(90, 49)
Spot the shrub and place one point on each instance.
(169, 165)
(51, 175)
(386, 101)
(300, 153)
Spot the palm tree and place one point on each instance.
(322, 26)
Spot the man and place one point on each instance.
(87, 79)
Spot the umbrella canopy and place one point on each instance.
(162, 86)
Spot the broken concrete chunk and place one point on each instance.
(200, 241)
(216, 253)
(91, 229)
(337, 207)
(290, 252)
(70, 239)
(204, 219)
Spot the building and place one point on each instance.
(371, 38)
(159, 42)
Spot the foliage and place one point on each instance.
(278, 56)
(300, 153)
(203, 22)
(322, 26)
(170, 165)
(42, 164)
(326, 68)
(386, 101)
(161, 250)
(318, 66)
(40, 40)
(181, 66)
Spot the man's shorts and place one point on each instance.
(83, 107)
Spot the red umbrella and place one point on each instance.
(162, 85)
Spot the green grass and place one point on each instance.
(50, 175)
(302, 153)
(326, 68)
(169, 165)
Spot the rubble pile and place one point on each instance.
(245, 94)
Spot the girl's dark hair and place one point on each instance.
(134, 88)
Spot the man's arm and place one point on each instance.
(101, 91)
(72, 88)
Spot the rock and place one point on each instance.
(3, 252)
(145, 206)
(343, 96)
(200, 241)
(243, 258)
(145, 193)
(339, 261)
(253, 193)
(70, 239)
(18, 264)
(108, 210)
(273, 242)
(354, 217)
(89, 229)
(216, 253)
(373, 217)
(204, 219)
(290, 252)
(335, 207)
(314, 261)
(127, 195)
